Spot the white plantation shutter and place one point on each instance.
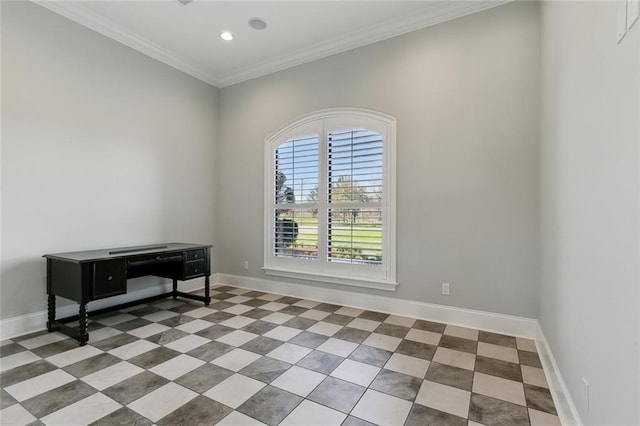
(355, 184)
(295, 175)
(329, 210)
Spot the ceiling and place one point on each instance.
(187, 36)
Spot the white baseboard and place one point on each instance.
(499, 323)
(29, 323)
(567, 410)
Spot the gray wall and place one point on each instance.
(590, 204)
(466, 97)
(101, 146)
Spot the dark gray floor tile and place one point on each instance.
(204, 377)
(529, 358)
(288, 300)
(91, 365)
(354, 421)
(185, 307)
(337, 394)
(299, 323)
(265, 369)
(539, 399)
(257, 313)
(425, 416)
(370, 355)
(215, 331)
(435, 327)
(338, 319)
(25, 372)
(154, 357)
(223, 296)
(458, 344)
(254, 293)
(321, 362)
(494, 412)
(225, 288)
(135, 387)
(167, 336)
(55, 348)
(10, 349)
(450, 376)
(373, 316)
(309, 340)
(29, 336)
(200, 411)
(327, 307)
(210, 351)
(114, 342)
(131, 324)
(176, 320)
(270, 405)
(497, 339)
(392, 330)
(262, 345)
(6, 400)
(353, 335)
(254, 303)
(55, 399)
(35, 423)
(221, 306)
(397, 384)
(496, 367)
(145, 310)
(416, 349)
(293, 310)
(259, 327)
(218, 317)
(123, 416)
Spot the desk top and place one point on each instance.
(117, 253)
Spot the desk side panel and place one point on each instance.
(65, 279)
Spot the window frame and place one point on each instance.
(322, 123)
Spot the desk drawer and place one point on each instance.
(108, 278)
(195, 255)
(194, 269)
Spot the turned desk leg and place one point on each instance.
(175, 289)
(82, 325)
(207, 291)
(51, 311)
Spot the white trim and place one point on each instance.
(499, 323)
(36, 321)
(83, 16)
(321, 123)
(567, 411)
(356, 39)
(333, 279)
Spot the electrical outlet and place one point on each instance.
(587, 403)
(445, 289)
(246, 265)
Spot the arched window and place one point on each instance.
(330, 198)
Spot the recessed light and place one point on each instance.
(257, 24)
(226, 36)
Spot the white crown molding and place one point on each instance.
(81, 15)
(356, 39)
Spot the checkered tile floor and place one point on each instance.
(253, 358)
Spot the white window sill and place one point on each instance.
(333, 279)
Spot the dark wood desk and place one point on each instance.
(85, 276)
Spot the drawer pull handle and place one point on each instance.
(110, 278)
(195, 255)
(158, 257)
